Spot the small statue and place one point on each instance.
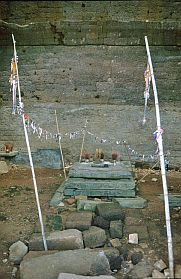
(114, 157)
(8, 147)
(99, 154)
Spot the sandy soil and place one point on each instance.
(18, 210)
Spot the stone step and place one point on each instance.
(174, 199)
(92, 187)
(99, 174)
(136, 202)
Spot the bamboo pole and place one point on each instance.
(60, 146)
(129, 157)
(83, 140)
(29, 152)
(162, 164)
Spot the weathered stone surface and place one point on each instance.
(109, 55)
(51, 223)
(33, 254)
(133, 220)
(80, 262)
(86, 205)
(116, 229)
(3, 167)
(79, 220)
(141, 270)
(110, 211)
(111, 253)
(141, 230)
(57, 197)
(167, 273)
(94, 237)
(99, 187)
(157, 274)
(59, 240)
(17, 251)
(115, 242)
(136, 202)
(81, 170)
(160, 265)
(174, 200)
(136, 257)
(73, 276)
(178, 271)
(99, 221)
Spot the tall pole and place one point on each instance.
(29, 152)
(60, 146)
(162, 164)
(83, 140)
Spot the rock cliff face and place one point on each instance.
(91, 55)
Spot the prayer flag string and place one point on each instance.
(46, 135)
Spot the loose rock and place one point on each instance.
(133, 238)
(116, 229)
(154, 179)
(94, 237)
(157, 274)
(141, 270)
(80, 262)
(17, 251)
(110, 211)
(160, 265)
(59, 240)
(79, 220)
(14, 271)
(136, 257)
(101, 222)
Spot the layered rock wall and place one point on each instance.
(77, 54)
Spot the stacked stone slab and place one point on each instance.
(100, 180)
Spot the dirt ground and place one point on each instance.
(18, 210)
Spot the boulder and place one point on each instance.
(160, 265)
(79, 262)
(141, 270)
(116, 229)
(110, 211)
(86, 205)
(115, 242)
(51, 223)
(99, 221)
(79, 220)
(58, 240)
(112, 255)
(136, 257)
(17, 251)
(157, 274)
(94, 237)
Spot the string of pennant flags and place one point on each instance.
(44, 134)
